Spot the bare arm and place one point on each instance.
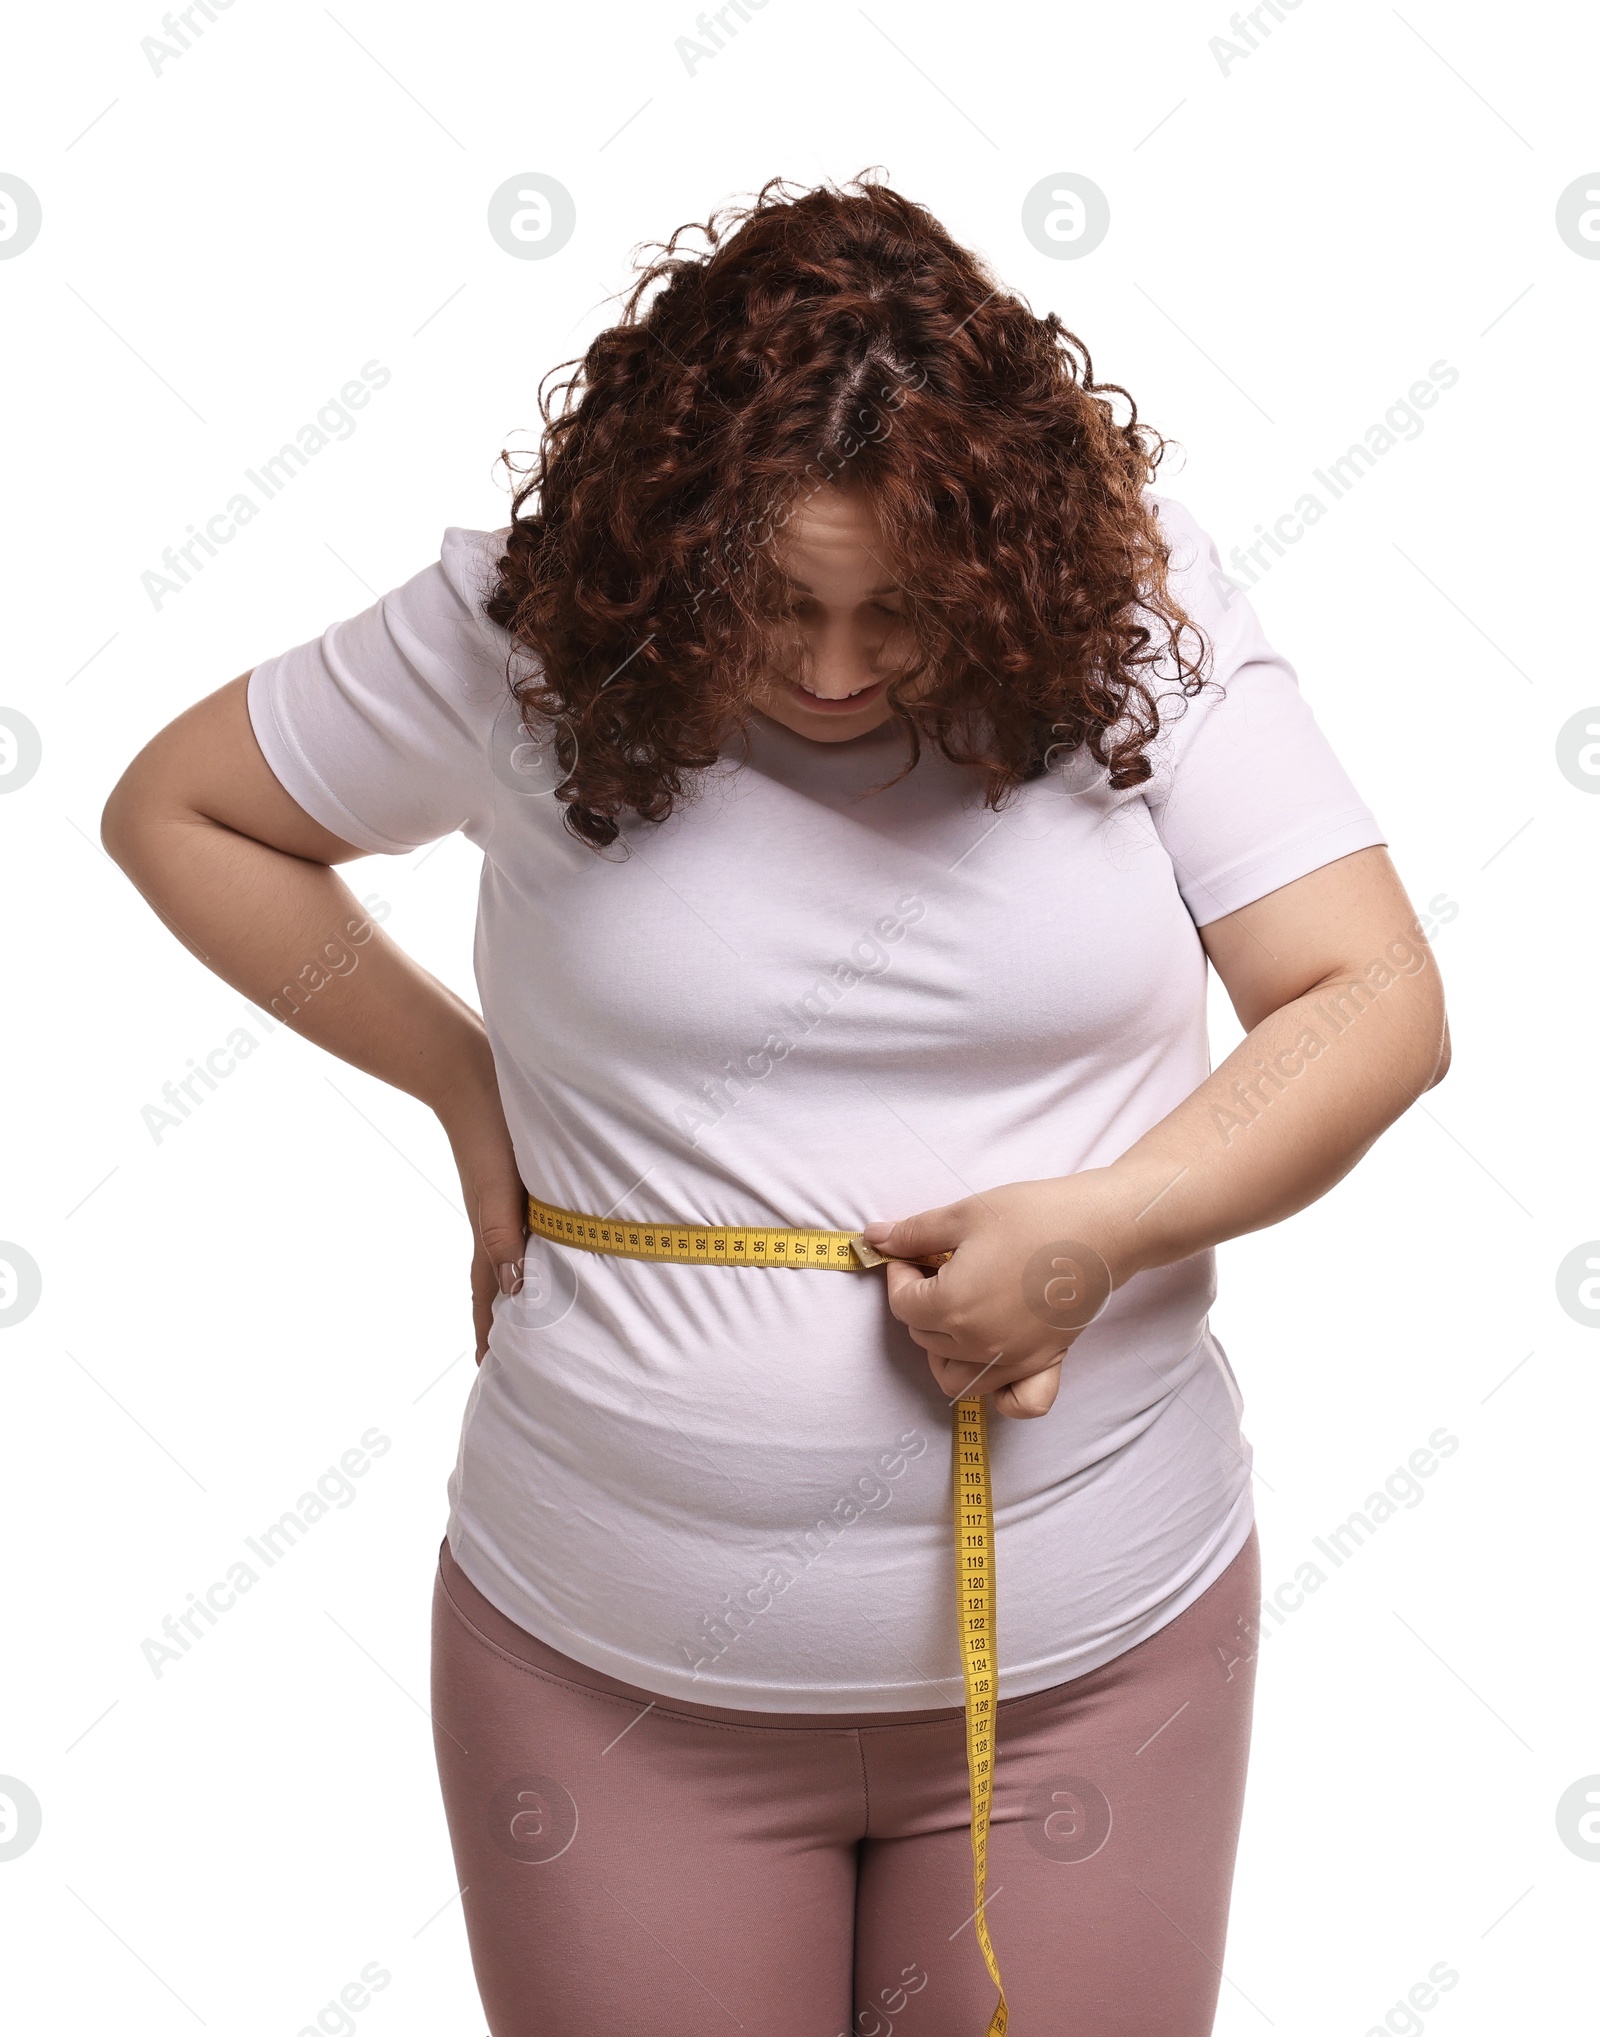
(241, 874)
(1347, 1027)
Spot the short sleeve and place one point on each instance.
(381, 727)
(1247, 794)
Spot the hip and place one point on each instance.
(1207, 1647)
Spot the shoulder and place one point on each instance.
(1179, 526)
(1224, 643)
(467, 572)
(469, 562)
(1195, 576)
(439, 625)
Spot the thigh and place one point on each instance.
(1118, 1800)
(626, 1867)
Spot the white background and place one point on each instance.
(226, 1309)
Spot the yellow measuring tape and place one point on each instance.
(847, 1252)
(693, 1244)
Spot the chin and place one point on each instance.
(827, 728)
(829, 731)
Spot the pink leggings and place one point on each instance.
(637, 1865)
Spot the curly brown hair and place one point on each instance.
(833, 335)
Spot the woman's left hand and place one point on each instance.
(1029, 1267)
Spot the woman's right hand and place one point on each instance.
(491, 1187)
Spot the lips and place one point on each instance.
(816, 703)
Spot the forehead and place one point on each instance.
(834, 534)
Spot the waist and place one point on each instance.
(779, 1437)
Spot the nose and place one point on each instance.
(838, 664)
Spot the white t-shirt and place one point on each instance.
(801, 1003)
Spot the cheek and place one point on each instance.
(894, 644)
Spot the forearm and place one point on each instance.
(1284, 1117)
(291, 935)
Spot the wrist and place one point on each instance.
(1091, 1214)
(1140, 1213)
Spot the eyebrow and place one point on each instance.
(871, 594)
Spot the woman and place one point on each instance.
(866, 763)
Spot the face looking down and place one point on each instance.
(848, 615)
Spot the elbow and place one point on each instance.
(136, 798)
(116, 822)
(134, 801)
(1436, 1057)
